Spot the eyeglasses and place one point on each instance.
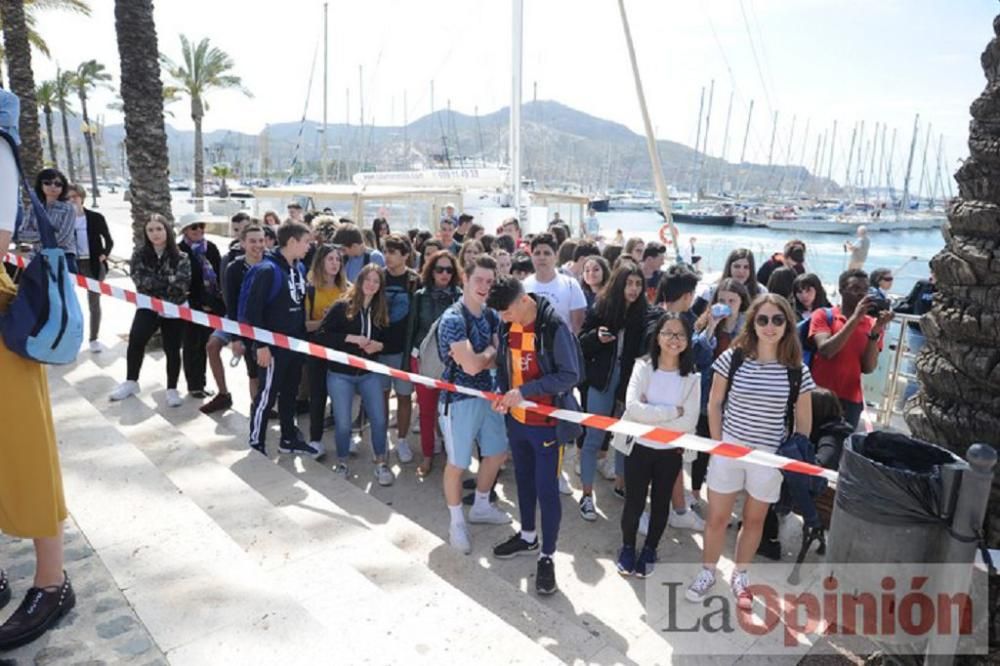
(52, 183)
(764, 320)
(670, 335)
(444, 269)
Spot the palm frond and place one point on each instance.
(76, 6)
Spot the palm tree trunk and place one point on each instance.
(64, 115)
(88, 136)
(22, 81)
(199, 149)
(52, 138)
(142, 97)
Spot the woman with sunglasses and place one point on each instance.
(442, 280)
(326, 284)
(356, 325)
(52, 189)
(881, 282)
(162, 271)
(664, 390)
(748, 405)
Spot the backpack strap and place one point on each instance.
(46, 233)
(735, 361)
(794, 386)
(366, 258)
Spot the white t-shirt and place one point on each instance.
(564, 293)
(82, 246)
(664, 390)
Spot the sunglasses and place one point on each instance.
(52, 183)
(444, 269)
(887, 279)
(199, 225)
(764, 320)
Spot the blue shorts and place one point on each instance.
(467, 422)
(402, 386)
(225, 336)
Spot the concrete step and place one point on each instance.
(303, 541)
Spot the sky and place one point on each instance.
(818, 61)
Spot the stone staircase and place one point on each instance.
(227, 555)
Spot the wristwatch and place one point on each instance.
(874, 336)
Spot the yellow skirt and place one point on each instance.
(31, 492)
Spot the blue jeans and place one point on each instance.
(342, 389)
(601, 403)
(537, 458)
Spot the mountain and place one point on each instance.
(560, 146)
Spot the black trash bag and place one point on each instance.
(892, 479)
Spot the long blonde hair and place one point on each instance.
(789, 349)
(355, 297)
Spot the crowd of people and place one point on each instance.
(760, 356)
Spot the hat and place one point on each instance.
(189, 219)
(449, 205)
(294, 204)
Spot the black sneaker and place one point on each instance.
(201, 393)
(259, 448)
(545, 577)
(40, 610)
(514, 546)
(470, 483)
(619, 493)
(4, 589)
(314, 450)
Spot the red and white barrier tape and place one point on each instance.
(661, 435)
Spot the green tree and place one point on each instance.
(204, 68)
(142, 94)
(45, 95)
(31, 7)
(22, 81)
(89, 76)
(63, 84)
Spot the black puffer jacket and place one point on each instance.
(167, 277)
(600, 357)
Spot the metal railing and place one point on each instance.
(895, 372)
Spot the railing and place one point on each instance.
(896, 368)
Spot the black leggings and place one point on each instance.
(316, 372)
(195, 357)
(699, 468)
(646, 467)
(144, 325)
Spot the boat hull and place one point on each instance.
(707, 220)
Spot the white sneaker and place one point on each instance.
(686, 521)
(318, 450)
(607, 466)
(384, 475)
(488, 514)
(124, 390)
(564, 486)
(740, 585)
(95, 347)
(644, 523)
(355, 443)
(458, 537)
(698, 589)
(403, 452)
(174, 398)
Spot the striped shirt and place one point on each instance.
(755, 411)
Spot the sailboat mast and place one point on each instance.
(697, 146)
(654, 156)
(881, 163)
(859, 179)
(923, 169)
(850, 158)
(515, 106)
(323, 158)
(888, 168)
(871, 167)
(406, 138)
(829, 166)
(770, 154)
(909, 165)
(725, 143)
(708, 122)
(788, 155)
(746, 134)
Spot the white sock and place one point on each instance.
(681, 511)
(528, 537)
(457, 517)
(541, 555)
(482, 499)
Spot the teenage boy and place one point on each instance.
(462, 230)
(401, 283)
(273, 299)
(252, 253)
(446, 234)
(652, 261)
(538, 359)
(356, 255)
(561, 291)
(584, 249)
(848, 346)
(237, 223)
(467, 338)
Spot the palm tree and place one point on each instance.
(959, 369)
(88, 76)
(22, 81)
(204, 68)
(63, 91)
(45, 95)
(32, 6)
(142, 98)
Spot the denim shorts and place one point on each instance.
(225, 336)
(402, 386)
(467, 422)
